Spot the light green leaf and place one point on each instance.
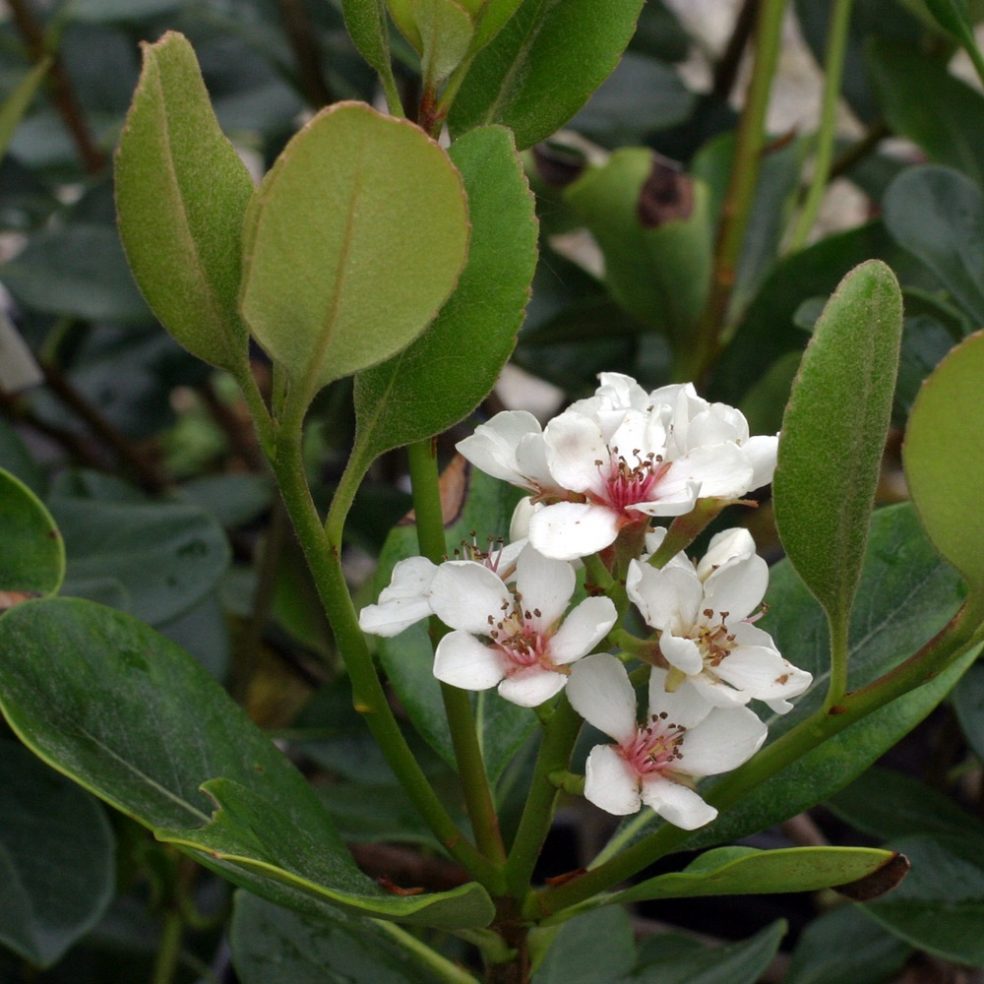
(354, 240)
(32, 560)
(747, 871)
(833, 437)
(491, 19)
(545, 62)
(937, 214)
(652, 225)
(446, 32)
(16, 104)
(442, 376)
(181, 193)
(57, 859)
(943, 456)
(133, 718)
(365, 21)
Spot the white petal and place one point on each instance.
(682, 653)
(531, 687)
(610, 782)
(763, 673)
(568, 530)
(717, 693)
(493, 445)
(403, 602)
(599, 690)
(464, 662)
(676, 803)
(684, 706)
(505, 558)
(761, 453)
(464, 594)
(779, 706)
(716, 425)
(620, 390)
(721, 742)
(519, 525)
(722, 470)
(667, 597)
(574, 444)
(736, 542)
(677, 500)
(582, 630)
(544, 585)
(736, 587)
(531, 461)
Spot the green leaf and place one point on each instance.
(747, 871)
(652, 225)
(953, 16)
(365, 21)
(16, 104)
(133, 718)
(596, 946)
(545, 62)
(947, 126)
(968, 702)
(446, 32)
(164, 556)
(940, 906)
(354, 240)
(16, 459)
(842, 945)
(273, 944)
(943, 456)
(57, 859)
(491, 19)
(936, 214)
(667, 959)
(32, 560)
(442, 376)
(833, 437)
(181, 193)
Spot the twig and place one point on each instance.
(239, 431)
(726, 70)
(857, 152)
(301, 35)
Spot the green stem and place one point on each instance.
(962, 633)
(737, 207)
(839, 650)
(262, 421)
(837, 34)
(323, 554)
(169, 951)
(425, 482)
(440, 968)
(559, 735)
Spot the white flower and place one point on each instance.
(514, 637)
(656, 763)
(703, 615)
(618, 458)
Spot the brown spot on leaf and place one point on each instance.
(10, 598)
(880, 881)
(558, 166)
(667, 195)
(454, 483)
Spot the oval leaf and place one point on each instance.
(443, 376)
(943, 457)
(446, 31)
(543, 65)
(32, 561)
(133, 718)
(354, 240)
(833, 436)
(181, 193)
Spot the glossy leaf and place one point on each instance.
(274, 944)
(940, 907)
(946, 126)
(57, 858)
(164, 557)
(968, 702)
(652, 225)
(936, 214)
(181, 193)
(943, 455)
(596, 946)
(834, 433)
(444, 374)
(346, 264)
(32, 561)
(130, 716)
(17, 102)
(544, 65)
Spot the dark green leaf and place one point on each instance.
(16, 459)
(366, 24)
(133, 718)
(32, 560)
(443, 375)
(597, 946)
(166, 556)
(833, 436)
(181, 193)
(543, 65)
(968, 702)
(121, 10)
(16, 103)
(57, 858)
(936, 214)
(842, 945)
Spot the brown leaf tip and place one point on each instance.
(667, 195)
(557, 165)
(883, 879)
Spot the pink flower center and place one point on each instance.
(655, 748)
(519, 642)
(630, 480)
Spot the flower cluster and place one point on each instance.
(605, 467)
